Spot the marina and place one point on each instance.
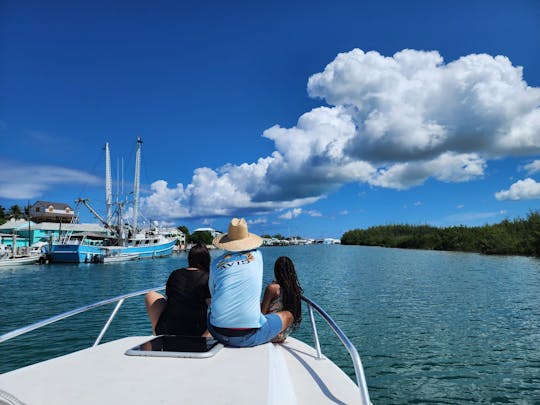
(122, 240)
(429, 326)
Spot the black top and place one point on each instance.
(185, 313)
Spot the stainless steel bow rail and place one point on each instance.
(358, 368)
(119, 300)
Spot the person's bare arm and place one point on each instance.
(269, 293)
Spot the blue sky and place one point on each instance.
(307, 118)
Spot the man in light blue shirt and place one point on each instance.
(235, 284)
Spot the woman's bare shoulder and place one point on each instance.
(273, 288)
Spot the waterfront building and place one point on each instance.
(45, 211)
(29, 232)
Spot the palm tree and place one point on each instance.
(15, 212)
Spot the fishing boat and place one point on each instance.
(288, 373)
(122, 238)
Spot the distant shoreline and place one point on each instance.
(520, 237)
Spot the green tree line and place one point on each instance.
(517, 237)
(203, 237)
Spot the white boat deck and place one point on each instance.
(286, 373)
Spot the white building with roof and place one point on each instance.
(46, 211)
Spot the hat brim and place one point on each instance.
(251, 242)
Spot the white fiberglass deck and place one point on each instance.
(286, 373)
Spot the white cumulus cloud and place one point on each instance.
(533, 167)
(390, 121)
(527, 189)
(291, 214)
(412, 106)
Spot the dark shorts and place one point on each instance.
(253, 337)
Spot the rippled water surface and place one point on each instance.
(430, 327)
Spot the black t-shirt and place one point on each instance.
(185, 312)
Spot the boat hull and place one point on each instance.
(94, 254)
(288, 373)
(19, 261)
(122, 257)
(68, 253)
(144, 252)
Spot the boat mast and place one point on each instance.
(136, 184)
(28, 219)
(108, 183)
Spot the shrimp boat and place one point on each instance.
(288, 373)
(123, 240)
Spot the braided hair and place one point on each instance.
(290, 288)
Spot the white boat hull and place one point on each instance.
(19, 261)
(287, 373)
(123, 257)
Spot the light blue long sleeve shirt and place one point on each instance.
(235, 285)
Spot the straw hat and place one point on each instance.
(237, 238)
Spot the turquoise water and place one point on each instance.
(430, 327)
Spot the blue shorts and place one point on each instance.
(256, 337)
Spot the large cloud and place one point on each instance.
(527, 189)
(411, 106)
(390, 122)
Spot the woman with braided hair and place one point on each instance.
(284, 294)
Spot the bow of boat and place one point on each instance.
(287, 373)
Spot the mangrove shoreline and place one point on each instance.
(509, 237)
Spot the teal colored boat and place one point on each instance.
(122, 239)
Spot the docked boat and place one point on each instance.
(83, 247)
(128, 371)
(11, 256)
(94, 249)
(19, 260)
(122, 238)
(113, 257)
